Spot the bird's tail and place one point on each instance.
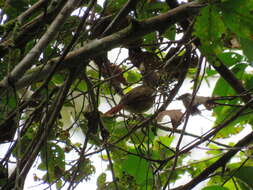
(114, 110)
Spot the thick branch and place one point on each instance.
(30, 29)
(230, 78)
(211, 133)
(36, 6)
(134, 31)
(219, 163)
(41, 136)
(221, 68)
(35, 52)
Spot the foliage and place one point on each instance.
(56, 78)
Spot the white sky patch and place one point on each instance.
(3, 18)
(118, 55)
(79, 12)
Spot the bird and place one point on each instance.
(138, 100)
(208, 102)
(186, 99)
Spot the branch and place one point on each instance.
(35, 52)
(224, 72)
(42, 133)
(219, 163)
(30, 29)
(96, 46)
(190, 134)
(231, 79)
(210, 134)
(122, 14)
(36, 6)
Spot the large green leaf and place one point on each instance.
(237, 15)
(137, 167)
(170, 33)
(53, 160)
(209, 28)
(215, 187)
(132, 76)
(244, 175)
(222, 88)
(247, 47)
(147, 9)
(15, 7)
(230, 58)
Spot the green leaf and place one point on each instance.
(59, 184)
(215, 187)
(92, 73)
(160, 148)
(222, 88)
(245, 174)
(237, 15)
(15, 7)
(214, 150)
(114, 6)
(146, 10)
(230, 58)
(137, 167)
(9, 101)
(165, 140)
(143, 137)
(85, 170)
(247, 47)
(150, 38)
(42, 166)
(58, 79)
(209, 27)
(52, 155)
(82, 86)
(101, 180)
(170, 33)
(132, 76)
(106, 89)
(231, 129)
(109, 122)
(210, 72)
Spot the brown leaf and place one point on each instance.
(235, 43)
(176, 117)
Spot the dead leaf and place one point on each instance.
(176, 117)
(235, 43)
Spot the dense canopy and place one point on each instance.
(58, 83)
